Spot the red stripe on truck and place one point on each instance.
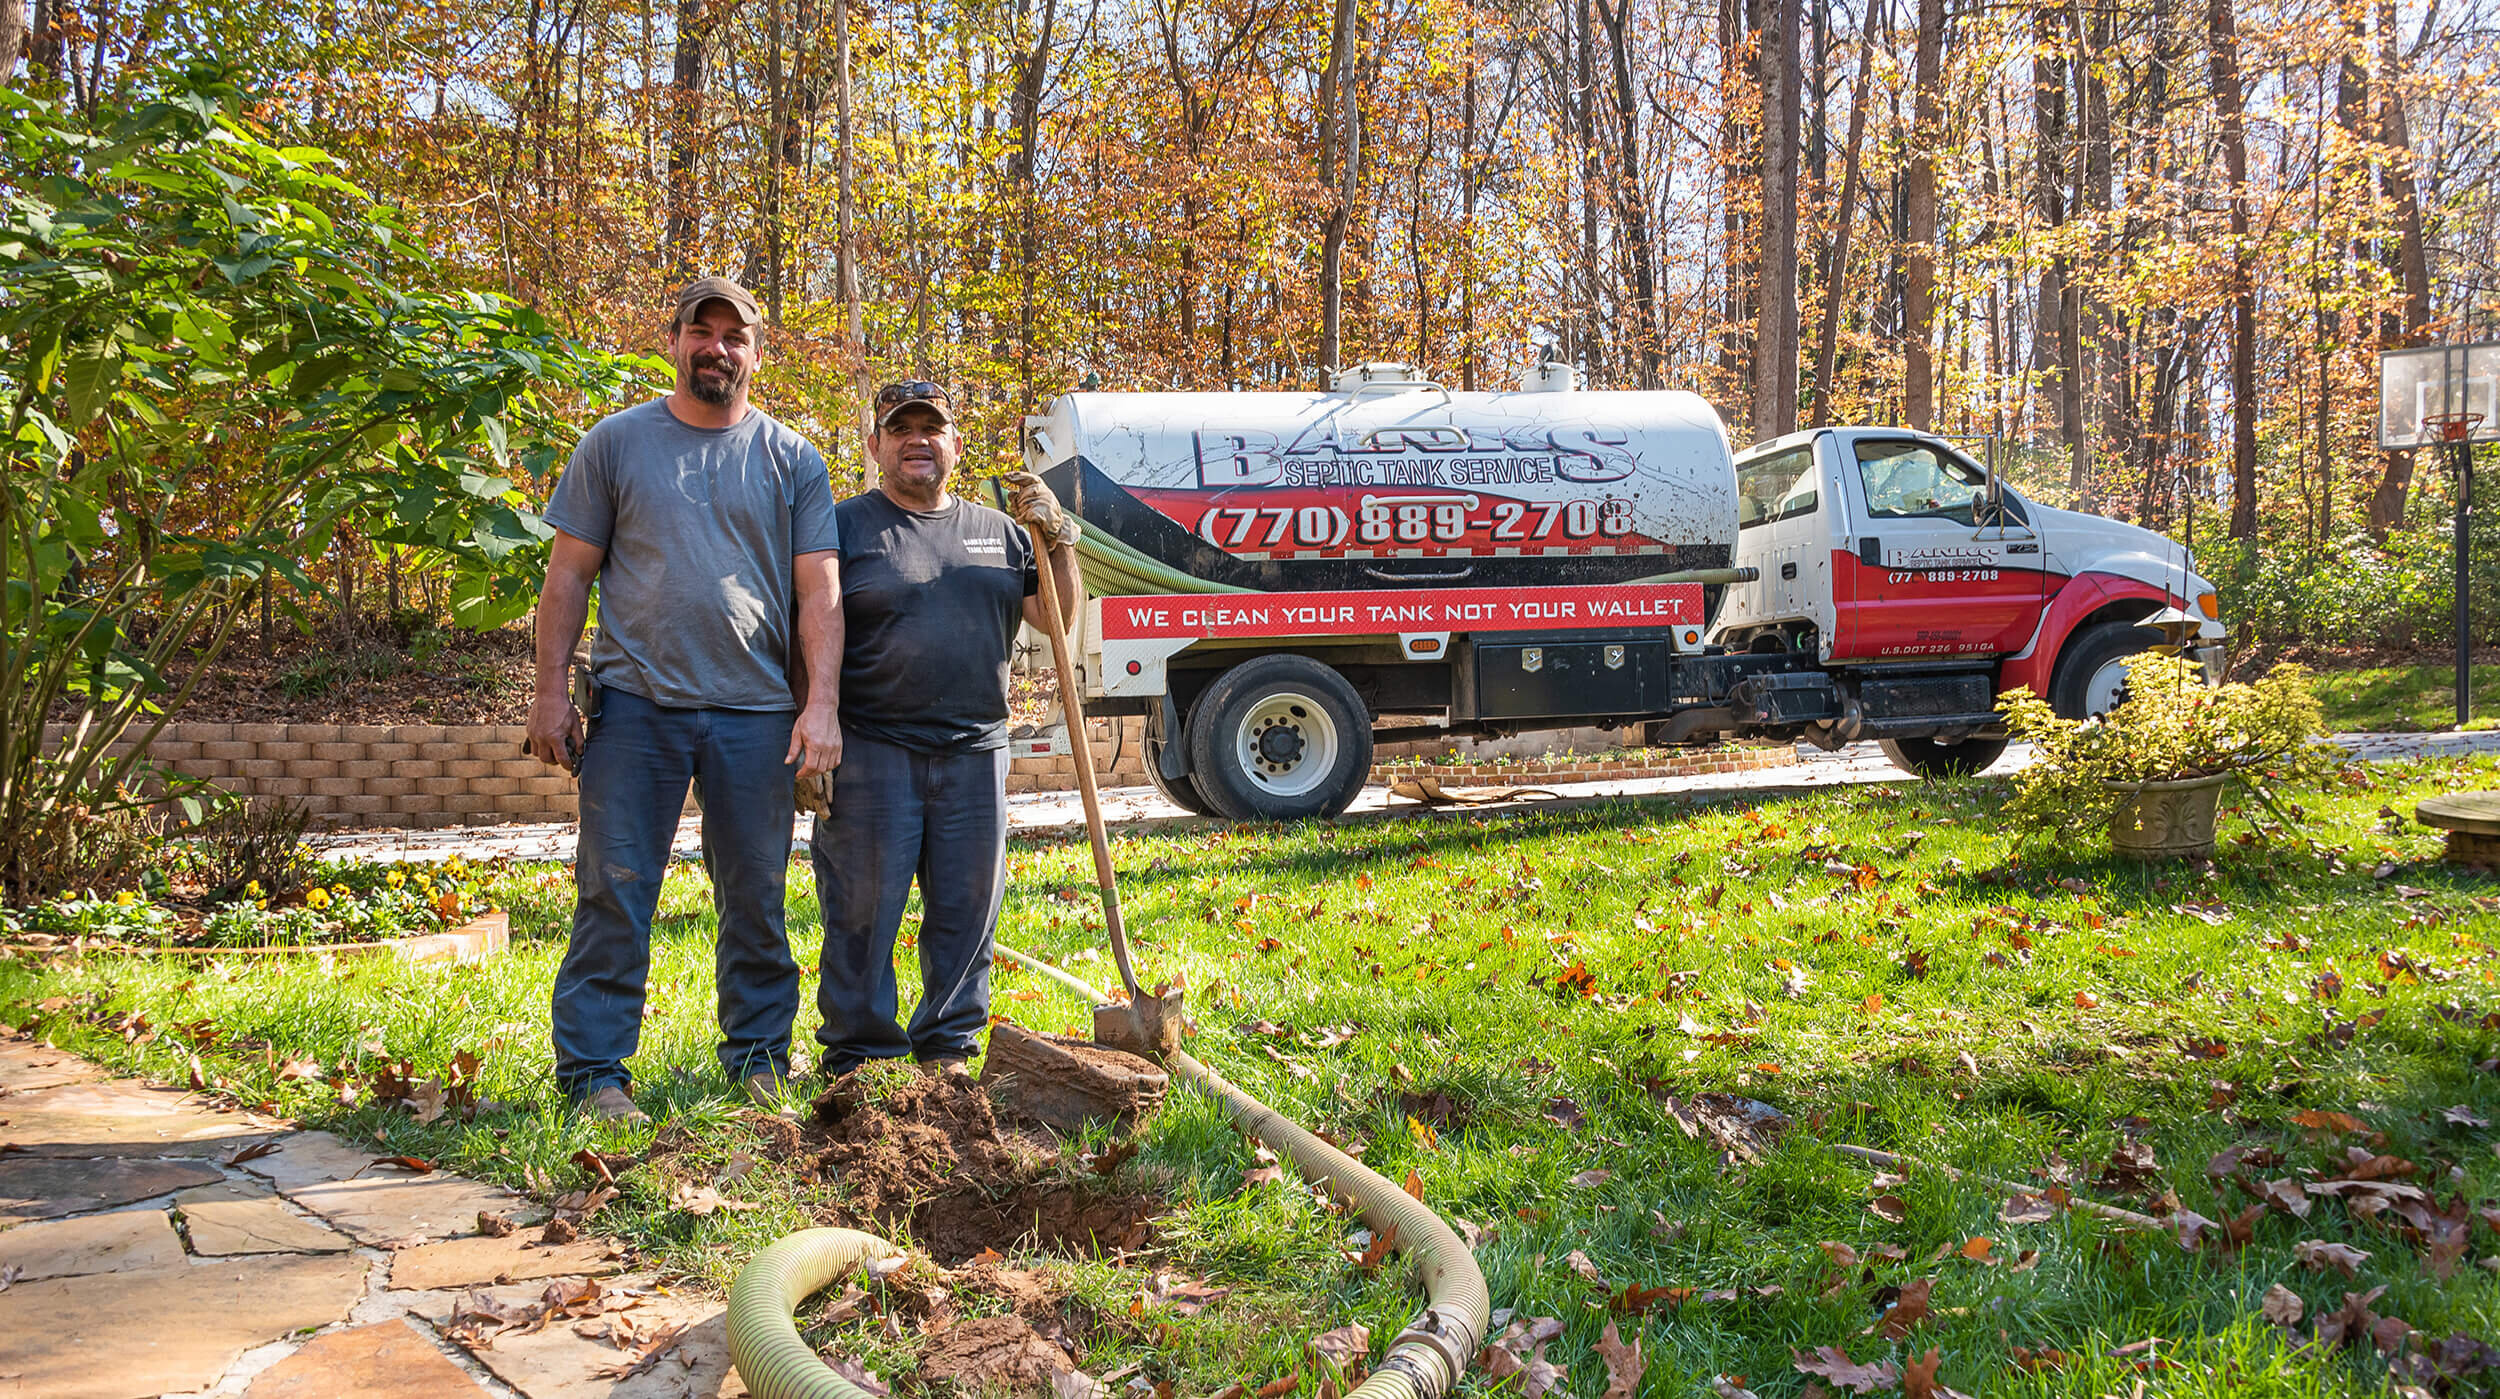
(1389, 611)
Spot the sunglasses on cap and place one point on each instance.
(909, 391)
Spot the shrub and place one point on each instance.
(245, 844)
(2170, 725)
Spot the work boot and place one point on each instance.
(943, 1065)
(611, 1104)
(763, 1089)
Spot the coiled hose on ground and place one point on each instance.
(763, 1342)
(1423, 1362)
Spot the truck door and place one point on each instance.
(1927, 577)
(1780, 532)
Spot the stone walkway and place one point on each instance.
(1059, 812)
(151, 1244)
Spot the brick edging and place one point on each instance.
(1595, 769)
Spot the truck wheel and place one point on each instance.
(1928, 758)
(1179, 791)
(2092, 674)
(1279, 737)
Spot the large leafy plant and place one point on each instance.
(213, 350)
(2169, 725)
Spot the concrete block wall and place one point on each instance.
(1119, 760)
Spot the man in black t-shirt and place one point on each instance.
(933, 587)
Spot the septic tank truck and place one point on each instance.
(1280, 580)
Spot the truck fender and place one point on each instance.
(2080, 597)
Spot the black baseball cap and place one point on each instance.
(913, 393)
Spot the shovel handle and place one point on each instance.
(1072, 710)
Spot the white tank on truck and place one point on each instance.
(1389, 482)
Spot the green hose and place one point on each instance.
(763, 1342)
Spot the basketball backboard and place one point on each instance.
(2417, 384)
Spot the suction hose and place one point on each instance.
(1427, 1358)
(763, 1342)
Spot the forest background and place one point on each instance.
(2155, 249)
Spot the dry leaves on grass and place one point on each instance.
(857, 1373)
(1832, 1363)
(1624, 1366)
(703, 1200)
(2282, 1306)
(1586, 1269)
(1519, 1353)
(2024, 1208)
(1345, 1349)
(1907, 1311)
(2319, 1254)
(1918, 1378)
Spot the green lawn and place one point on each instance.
(2405, 699)
(1878, 962)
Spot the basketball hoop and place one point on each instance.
(2450, 427)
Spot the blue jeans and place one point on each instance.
(898, 814)
(634, 772)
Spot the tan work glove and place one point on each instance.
(1033, 505)
(814, 795)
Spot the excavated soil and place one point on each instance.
(927, 1155)
(992, 1351)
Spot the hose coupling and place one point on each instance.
(1445, 1331)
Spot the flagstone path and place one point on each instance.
(153, 1244)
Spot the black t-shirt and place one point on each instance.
(930, 605)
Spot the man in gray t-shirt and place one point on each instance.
(709, 529)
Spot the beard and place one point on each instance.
(715, 381)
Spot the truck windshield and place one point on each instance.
(1910, 480)
(1775, 487)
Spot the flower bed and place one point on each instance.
(427, 912)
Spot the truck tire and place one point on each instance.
(1179, 791)
(1279, 737)
(1928, 758)
(2092, 673)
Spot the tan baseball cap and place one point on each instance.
(690, 300)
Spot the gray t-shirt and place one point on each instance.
(699, 525)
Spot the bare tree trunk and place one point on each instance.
(685, 118)
(2051, 322)
(1775, 340)
(2223, 36)
(1032, 76)
(1593, 331)
(1827, 351)
(1736, 253)
(1632, 199)
(1340, 151)
(1918, 292)
(2387, 498)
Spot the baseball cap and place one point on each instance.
(690, 299)
(913, 393)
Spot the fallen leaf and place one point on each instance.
(248, 1151)
(1833, 1363)
(1888, 1208)
(1581, 1264)
(1841, 1255)
(703, 1200)
(2320, 1120)
(1278, 1389)
(1624, 1367)
(1908, 1310)
(1726, 1388)
(2021, 1208)
(1076, 1384)
(2282, 1306)
(1918, 1378)
(1980, 1249)
(1347, 1345)
(1414, 1183)
(1589, 1179)
(2318, 1255)
(857, 1374)
(1261, 1175)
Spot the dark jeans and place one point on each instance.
(897, 814)
(633, 776)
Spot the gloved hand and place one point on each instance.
(1034, 505)
(814, 795)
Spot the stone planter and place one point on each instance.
(481, 937)
(2166, 820)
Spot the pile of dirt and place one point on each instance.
(926, 1154)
